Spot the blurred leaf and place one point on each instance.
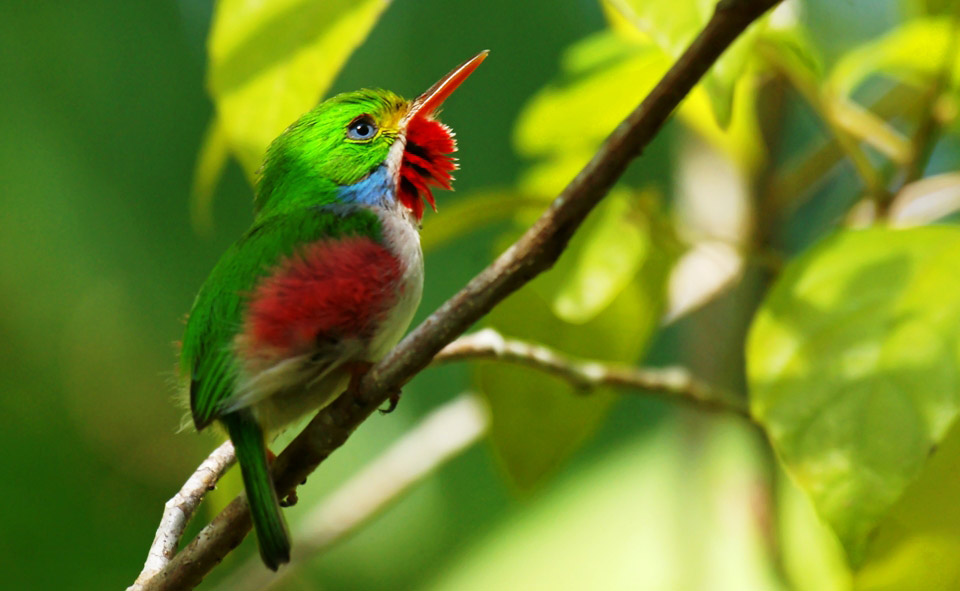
(913, 52)
(473, 212)
(602, 69)
(602, 258)
(272, 61)
(615, 72)
(915, 547)
(602, 300)
(207, 172)
(865, 125)
(553, 122)
(652, 514)
(926, 201)
(673, 26)
(740, 140)
(539, 420)
(852, 365)
(813, 558)
(793, 49)
(928, 6)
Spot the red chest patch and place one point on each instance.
(334, 288)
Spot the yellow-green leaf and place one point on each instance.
(588, 102)
(473, 212)
(660, 512)
(539, 420)
(914, 52)
(272, 61)
(852, 363)
(673, 26)
(916, 545)
(605, 256)
(615, 72)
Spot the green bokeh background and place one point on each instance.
(101, 115)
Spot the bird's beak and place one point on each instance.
(427, 103)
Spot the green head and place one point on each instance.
(367, 146)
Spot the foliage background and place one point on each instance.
(102, 118)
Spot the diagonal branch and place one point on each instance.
(533, 253)
(437, 439)
(440, 436)
(453, 427)
(179, 509)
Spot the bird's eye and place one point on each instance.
(361, 128)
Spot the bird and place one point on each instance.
(326, 280)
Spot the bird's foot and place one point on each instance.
(357, 370)
(290, 500)
(391, 403)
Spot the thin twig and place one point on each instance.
(788, 187)
(536, 251)
(440, 437)
(179, 509)
(671, 383)
(455, 426)
(928, 129)
(805, 83)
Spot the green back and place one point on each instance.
(217, 315)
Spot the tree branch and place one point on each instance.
(438, 438)
(928, 129)
(455, 426)
(533, 253)
(179, 509)
(670, 383)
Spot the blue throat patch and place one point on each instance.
(375, 189)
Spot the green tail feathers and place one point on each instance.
(268, 521)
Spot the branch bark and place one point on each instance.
(437, 439)
(533, 253)
(670, 383)
(180, 508)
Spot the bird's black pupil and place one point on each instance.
(362, 129)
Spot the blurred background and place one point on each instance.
(103, 113)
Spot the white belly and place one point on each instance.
(403, 240)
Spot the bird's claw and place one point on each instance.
(290, 500)
(391, 403)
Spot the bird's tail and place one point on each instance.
(268, 521)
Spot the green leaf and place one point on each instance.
(916, 545)
(270, 62)
(913, 52)
(615, 71)
(605, 255)
(661, 511)
(474, 212)
(928, 6)
(673, 26)
(601, 70)
(794, 51)
(813, 559)
(539, 420)
(852, 366)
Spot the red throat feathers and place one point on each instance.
(427, 162)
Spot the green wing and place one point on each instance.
(217, 315)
